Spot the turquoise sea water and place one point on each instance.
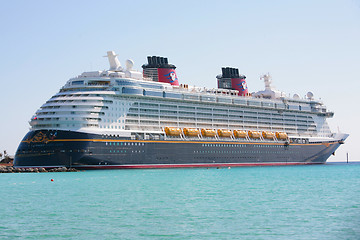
(295, 202)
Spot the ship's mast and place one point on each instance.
(267, 81)
(114, 61)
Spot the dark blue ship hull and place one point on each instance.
(52, 148)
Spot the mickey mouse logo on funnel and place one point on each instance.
(159, 70)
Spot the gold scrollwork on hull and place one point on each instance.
(39, 137)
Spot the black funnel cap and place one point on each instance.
(153, 58)
(158, 62)
(228, 72)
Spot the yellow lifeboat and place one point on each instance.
(224, 133)
(240, 134)
(172, 131)
(191, 132)
(208, 132)
(268, 135)
(254, 134)
(281, 135)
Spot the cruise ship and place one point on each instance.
(123, 118)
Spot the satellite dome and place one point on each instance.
(310, 95)
(129, 64)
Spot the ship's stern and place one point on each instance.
(50, 148)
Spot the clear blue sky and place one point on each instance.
(305, 45)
